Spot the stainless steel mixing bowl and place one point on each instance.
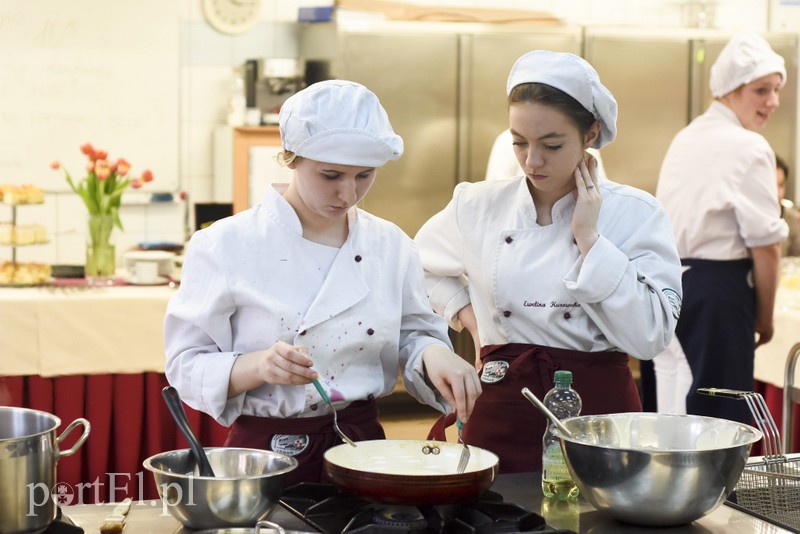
(656, 469)
(246, 487)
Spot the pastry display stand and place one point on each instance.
(14, 245)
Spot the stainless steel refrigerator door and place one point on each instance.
(649, 77)
(486, 61)
(415, 77)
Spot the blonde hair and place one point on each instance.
(285, 157)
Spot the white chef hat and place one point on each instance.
(574, 76)
(746, 57)
(337, 121)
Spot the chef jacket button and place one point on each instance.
(370, 397)
(509, 239)
(370, 331)
(506, 313)
(313, 407)
(303, 333)
(358, 258)
(567, 315)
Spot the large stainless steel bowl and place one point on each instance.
(656, 469)
(245, 489)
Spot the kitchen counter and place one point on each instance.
(148, 517)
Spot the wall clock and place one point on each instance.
(232, 16)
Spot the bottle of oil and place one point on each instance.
(564, 402)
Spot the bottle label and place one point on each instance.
(553, 465)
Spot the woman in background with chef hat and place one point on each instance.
(717, 184)
(555, 269)
(305, 285)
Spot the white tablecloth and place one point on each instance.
(770, 361)
(53, 331)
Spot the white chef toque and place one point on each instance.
(746, 57)
(573, 75)
(337, 121)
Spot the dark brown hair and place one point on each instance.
(781, 164)
(539, 93)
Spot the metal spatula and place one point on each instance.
(327, 399)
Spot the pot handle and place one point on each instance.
(270, 525)
(74, 448)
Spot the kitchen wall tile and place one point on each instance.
(740, 15)
(200, 149)
(209, 89)
(202, 189)
(269, 39)
(191, 9)
(206, 45)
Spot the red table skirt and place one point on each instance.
(129, 422)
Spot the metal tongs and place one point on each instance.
(773, 450)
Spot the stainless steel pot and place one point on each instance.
(28, 456)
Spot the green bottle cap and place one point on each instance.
(563, 378)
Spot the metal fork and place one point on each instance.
(327, 399)
(464, 460)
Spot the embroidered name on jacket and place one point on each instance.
(553, 304)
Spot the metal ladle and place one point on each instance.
(175, 406)
(536, 402)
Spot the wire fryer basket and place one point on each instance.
(768, 488)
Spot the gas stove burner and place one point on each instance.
(323, 508)
(406, 517)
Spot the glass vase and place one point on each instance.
(100, 252)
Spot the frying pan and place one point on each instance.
(410, 472)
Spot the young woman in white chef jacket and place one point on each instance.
(717, 184)
(555, 269)
(305, 285)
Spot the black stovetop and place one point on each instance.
(325, 510)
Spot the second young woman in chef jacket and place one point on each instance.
(718, 186)
(307, 285)
(555, 269)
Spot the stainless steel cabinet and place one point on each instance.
(443, 86)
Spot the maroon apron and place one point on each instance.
(506, 423)
(306, 438)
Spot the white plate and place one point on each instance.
(160, 281)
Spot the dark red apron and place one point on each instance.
(306, 438)
(506, 423)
